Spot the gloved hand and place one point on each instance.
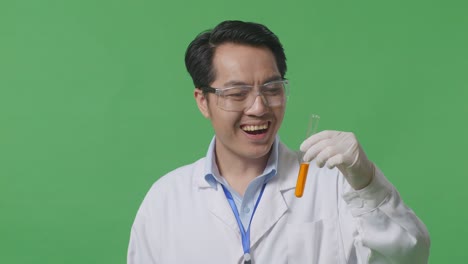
(340, 149)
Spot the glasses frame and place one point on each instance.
(220, 91)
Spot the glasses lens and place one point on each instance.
(242, 97)
(275, 93)
(235, 98)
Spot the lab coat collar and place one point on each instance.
(287, 163)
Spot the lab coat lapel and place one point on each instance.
(215, 199)
(273, 206)
(269, 211)
(218, 205)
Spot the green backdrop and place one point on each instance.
(96, 105)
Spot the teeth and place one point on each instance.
(254, 128)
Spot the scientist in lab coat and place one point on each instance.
(238, 205)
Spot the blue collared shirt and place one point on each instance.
(245, 205)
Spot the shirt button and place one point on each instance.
(246, 210)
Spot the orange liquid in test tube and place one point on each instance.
(304, 168)
(301, 179)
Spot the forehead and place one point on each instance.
(243, 63)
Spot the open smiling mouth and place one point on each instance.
(256, 129)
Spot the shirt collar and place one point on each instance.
(212, 175)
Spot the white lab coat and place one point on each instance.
(184, 220)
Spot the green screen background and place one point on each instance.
(96, 105)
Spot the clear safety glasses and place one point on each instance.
(241, 97)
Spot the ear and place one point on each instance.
(202, 102)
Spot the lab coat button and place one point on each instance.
(246, 210)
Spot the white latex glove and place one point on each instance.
(341, 150)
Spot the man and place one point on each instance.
(237, 204)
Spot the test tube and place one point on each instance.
(304, 168)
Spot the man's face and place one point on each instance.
(242, 64)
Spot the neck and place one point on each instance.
(240, 172)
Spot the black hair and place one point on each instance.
(200, 52)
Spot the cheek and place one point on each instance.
(224, 122)
(279, 116)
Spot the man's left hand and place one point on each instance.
(341, 150)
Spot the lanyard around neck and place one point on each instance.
(244, 234)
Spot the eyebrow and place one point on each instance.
(235, 82)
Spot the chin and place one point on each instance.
(258, 152)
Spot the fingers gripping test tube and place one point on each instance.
(304, 168)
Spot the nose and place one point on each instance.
(259, 106)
